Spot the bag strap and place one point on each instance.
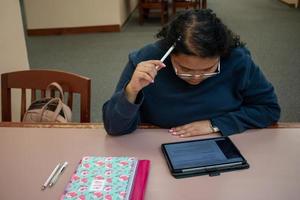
(67, 112)
(55, 85)
(55, 113)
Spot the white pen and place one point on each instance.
(51, 176)
(169, 51)
(59, 172)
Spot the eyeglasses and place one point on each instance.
(198, 76)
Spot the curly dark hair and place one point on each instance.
(202, 34)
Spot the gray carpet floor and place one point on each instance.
(270, 28)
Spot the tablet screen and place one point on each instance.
(200, 153)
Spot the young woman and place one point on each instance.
(209, 83)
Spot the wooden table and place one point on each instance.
(29, 154)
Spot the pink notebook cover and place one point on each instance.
(140, 181)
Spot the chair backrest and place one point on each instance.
(146, 5)
(38, 80)
(194, 4)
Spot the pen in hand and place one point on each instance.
(166, 55)
(59, 172)
(169, 51)
(44, 186)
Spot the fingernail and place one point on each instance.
(170, 130)
(156, 67)
(164, 65)
(152, 81)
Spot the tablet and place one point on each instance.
(206, 156)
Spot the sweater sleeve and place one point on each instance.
(119, 115)
(259, 108)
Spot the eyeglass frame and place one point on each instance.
(203, 75)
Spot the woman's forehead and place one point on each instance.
(194, 62)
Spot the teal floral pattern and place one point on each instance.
(107, 178)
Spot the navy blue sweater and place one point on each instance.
(237, 99)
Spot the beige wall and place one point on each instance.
(126, 8)
(13, 53)
(76, 13)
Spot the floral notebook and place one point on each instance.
(108, 178)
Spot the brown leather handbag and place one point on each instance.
(49, 109)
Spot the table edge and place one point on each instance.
(100, 125)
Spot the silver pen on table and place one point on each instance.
(45, 185)
(59, 172)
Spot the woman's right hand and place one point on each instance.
(143, 75)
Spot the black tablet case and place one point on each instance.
(210, 172)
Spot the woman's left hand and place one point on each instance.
(192, 129)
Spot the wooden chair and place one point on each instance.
(203, 4)
(187, 4)
(146, 5)
(37, 81)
